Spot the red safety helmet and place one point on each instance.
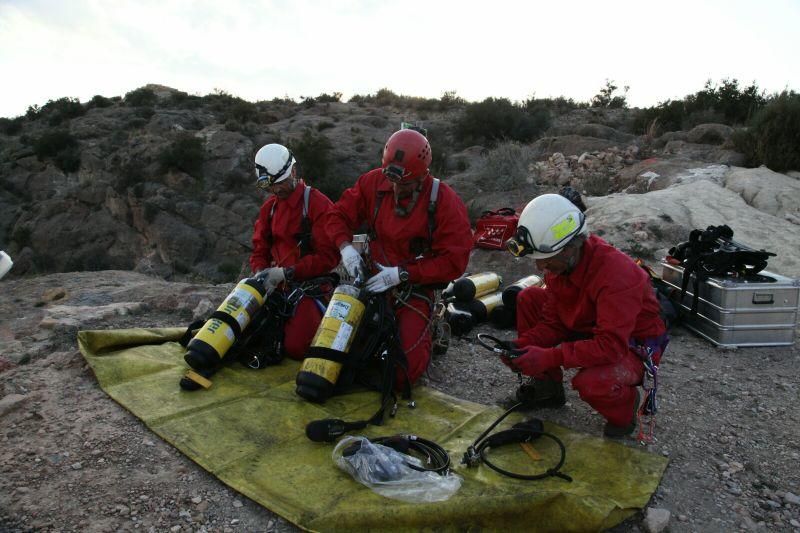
(406, 156)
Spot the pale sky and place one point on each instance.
(259, 50)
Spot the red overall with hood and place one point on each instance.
(398, 242)
(275, 245)
(592, 316)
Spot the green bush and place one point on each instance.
(56, 111)
(385, 98)
(100, 101)
(229, 107)
(773, 136)
(497, 119)
(324, 125)
(229, 270)
(326, 98)
(10, 126)
(184, 100)
(142, 97)
(505, 167)
(726, 103)
(60, 147)
(312, 151)
(135, 123)
(554, 106)
(186, 153)
(606, 97)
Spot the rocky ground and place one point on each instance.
(73, 460)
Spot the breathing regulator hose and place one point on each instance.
(520, 433)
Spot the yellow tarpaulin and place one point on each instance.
(249, 431)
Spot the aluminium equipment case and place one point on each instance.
(760, 310)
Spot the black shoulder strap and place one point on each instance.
(378, 201)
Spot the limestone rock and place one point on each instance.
(766, 190)
(656, 520)
(570, 145)
(669, 215)
(709, 134)
(11, 402)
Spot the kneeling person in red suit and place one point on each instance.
(598, 314)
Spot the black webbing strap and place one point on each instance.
(189, 334)
(229, 320)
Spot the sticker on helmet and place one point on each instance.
(564, 228)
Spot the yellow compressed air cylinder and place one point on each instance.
(218, 334)
(331, 344)
(470, 287)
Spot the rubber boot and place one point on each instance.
(538, 394)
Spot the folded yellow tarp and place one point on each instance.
(249, 431)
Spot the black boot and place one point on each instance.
(537, 394)
(618, 432)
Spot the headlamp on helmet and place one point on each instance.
(274, 164)
(406, 156)
(520, 244)
(395, 173)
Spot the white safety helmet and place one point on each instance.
(546, 225)
(274, 163)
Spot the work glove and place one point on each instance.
(384, 280)
(534, 360)
(271, 277)
(352, 260)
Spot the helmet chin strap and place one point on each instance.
(405, 211)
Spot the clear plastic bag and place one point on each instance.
(386, 472)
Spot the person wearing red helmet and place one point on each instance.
(290, 246)
(420, 238)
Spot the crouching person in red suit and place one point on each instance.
(420, 237)
(599, 314)
(291, 249)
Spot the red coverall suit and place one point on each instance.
(394, 238)
(275, 244)
(594, 316)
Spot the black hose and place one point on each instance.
(432, 454)
(522, 432)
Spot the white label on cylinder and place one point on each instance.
(242, 319)
(342, 337)
(339, 310)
